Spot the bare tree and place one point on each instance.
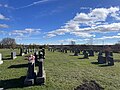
(8, 42)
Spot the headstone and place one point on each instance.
(26, 51)
(110, 59)
(40, 79)
(36, 56)
(13, 55)
(101, 59)
(31, 75)
(84, 51)
(86, 55)
(91, 53)
(41, 55)
(21, 52)
(1, 62)
(43, 51)
(65, 50)
(76, 52)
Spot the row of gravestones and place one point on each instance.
(76, 52)
(22, 52)
(101, 59)
(108, 58)
(34, 76)
(26, 51)
(13, 56)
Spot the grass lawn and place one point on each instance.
(63, 72)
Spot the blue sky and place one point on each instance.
(60, 21)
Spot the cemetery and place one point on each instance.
(59, 68)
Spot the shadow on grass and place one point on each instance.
(9, 58)
(18, 55)
(19, 66)
(116, 60)
(105, 65)
(83, 58)
(94, 63)
(73, 55)
(13, 83)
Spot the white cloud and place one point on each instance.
(25, 33)
(108, 37)
(95, 21)
(118, 34)
(2, 17)
(3, 26)
(82, 34)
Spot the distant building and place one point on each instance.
(72, 43)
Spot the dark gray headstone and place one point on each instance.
(101, 59)
(40, 79)
(30, 78)
(21, 52)
(76, 52)
(86, 55)
(110, 59)
(91, 53)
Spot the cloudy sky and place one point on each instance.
(60, 21)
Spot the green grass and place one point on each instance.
(63, 72)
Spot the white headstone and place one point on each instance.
(1, 59)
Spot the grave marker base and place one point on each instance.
(30, 81)
(41, 80)
(1, 62)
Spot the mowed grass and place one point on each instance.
(63, 72)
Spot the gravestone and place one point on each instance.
(101, 59)
(41, 55)
(76, 52)
(36, 56)
(40, 79)
(1, 62)
(91, 53)
(21, 52)
(110, 59)
(13, 55)
(26, 51)
(31, 75)
(84, 51)
(65, 50)
(85, 55)
(43, 51)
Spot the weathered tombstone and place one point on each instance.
(101, 59)
(26, 51)
(65, 50)
(21, 52)
(36, 56)
(86, 55)
(13, 55)
(43, 51)
(31, 75)
(40, 54)
(84, 51)
(91, 53)
(40, 79)
(110, 59)
(1, 59)
(76, 52)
